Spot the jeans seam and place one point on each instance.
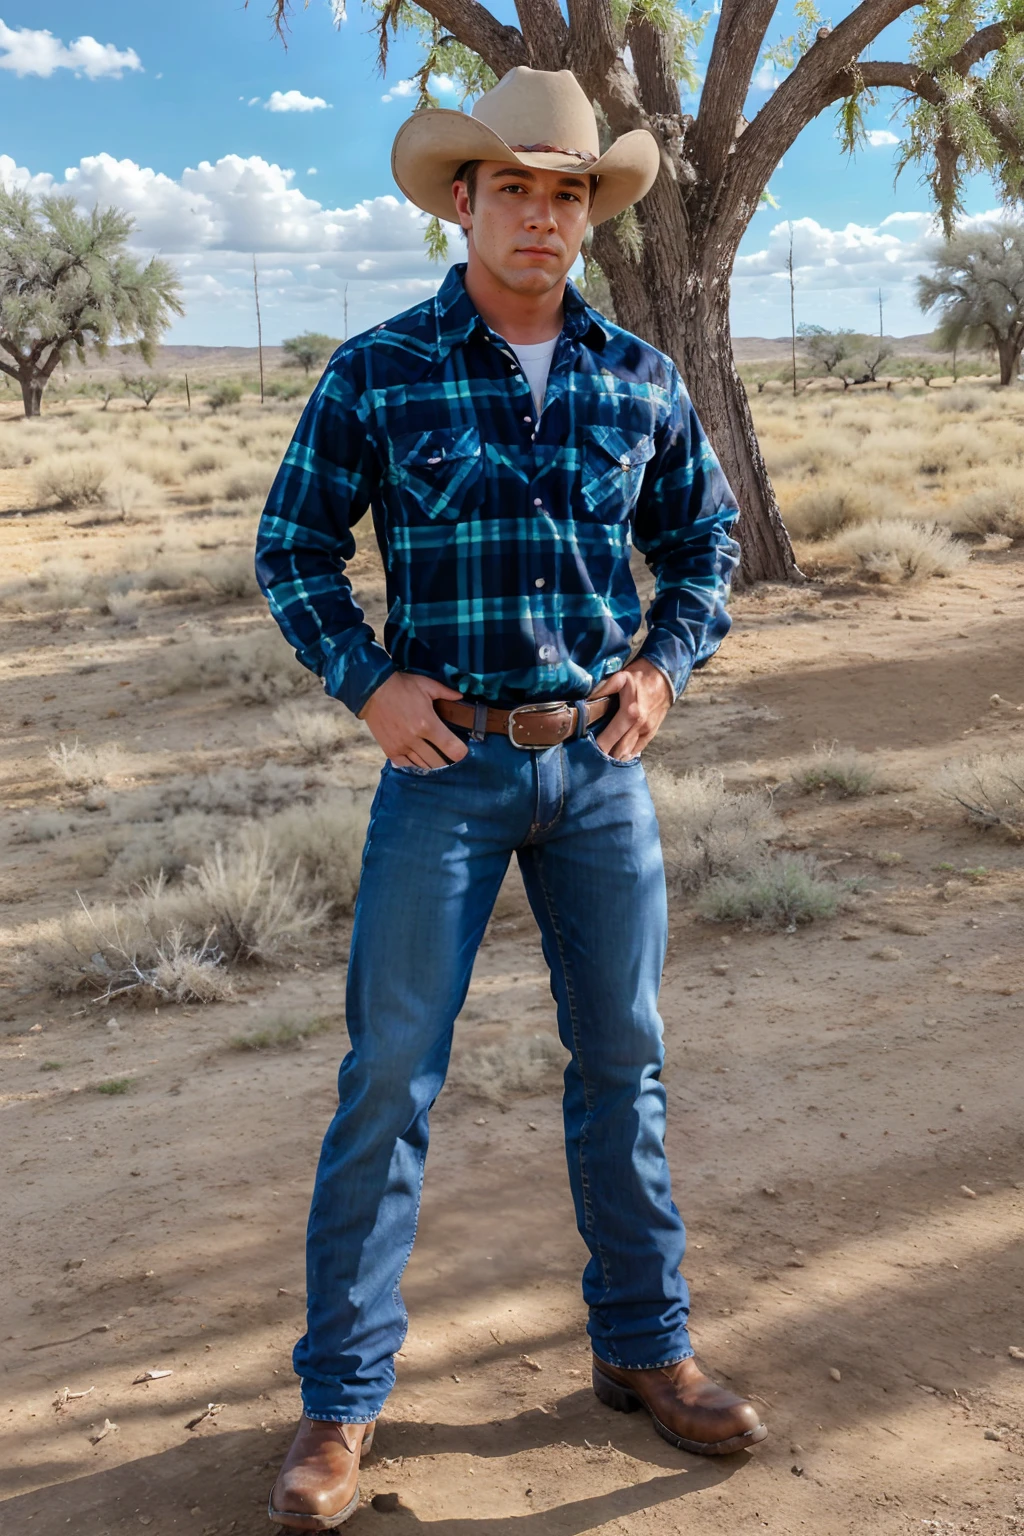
(574, 1021)
(659, 1365)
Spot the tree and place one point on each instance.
(669, 260)
(872, 352)
(67, 280)
(309, 350)
(831, 352)
(978, 287)
(145, 386)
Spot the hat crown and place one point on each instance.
(540, 106)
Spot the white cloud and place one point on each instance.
(26, 52)
(838, 274)
(294, 101)
(768, 77)
(879, 137)
(441, 85)
(210, 219)
(312, 171)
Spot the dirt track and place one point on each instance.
(827, 1108)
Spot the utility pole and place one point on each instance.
(792, 305)
(345, 337)
(259, 321)
(881, 332)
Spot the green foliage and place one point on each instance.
(978, 288)
(228, 392)
(115, 1086)
(68, 281)
(309, 350)
(786, 52)
(784, 889)
(146, 387)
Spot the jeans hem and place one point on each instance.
(647, 1365)
(343, 1418)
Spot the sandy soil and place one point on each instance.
(845, 1134)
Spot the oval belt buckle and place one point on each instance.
(534, 709)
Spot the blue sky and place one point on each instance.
(168, 110)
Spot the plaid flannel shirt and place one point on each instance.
(505, 534)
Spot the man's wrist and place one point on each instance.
(669, 684)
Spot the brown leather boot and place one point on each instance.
(318, 1485)
(688, 1410)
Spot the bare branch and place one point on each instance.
(987, 40)
(545, 34)
(798, 100)
(500, 47)
(12, 373)
(734, 54)
(870, 76)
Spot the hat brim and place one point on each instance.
(430, 146)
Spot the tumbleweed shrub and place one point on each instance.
(826, 509)
(996, 506)
(892, 550)
(781, 890)
(839, 770)
(708, 830)
(70, 481)
(82, 767)
(989, 789)
(258, 666)
(240, 905)
(499, 1070)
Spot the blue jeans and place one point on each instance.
(583, 828)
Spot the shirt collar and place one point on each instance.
(457, 316)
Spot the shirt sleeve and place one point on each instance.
(682, 526)
(326, 481)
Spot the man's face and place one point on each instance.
(525, 226)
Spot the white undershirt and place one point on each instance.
(535, 357)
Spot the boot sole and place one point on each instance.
(623, 1400)
(292, 1520)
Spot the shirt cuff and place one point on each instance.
(353, 674)
(665, 652)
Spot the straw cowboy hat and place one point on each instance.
(536, 117)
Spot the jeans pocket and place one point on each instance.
(616, 762)
(411, 771)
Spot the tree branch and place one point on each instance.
(545, 33)
(12, 373)
(987, 40)
(500, 47)
(652, 63)
(871, 76)
(593, 45)
(798, 100)
(734, 53)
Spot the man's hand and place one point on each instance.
(645, 698)
(400, 714)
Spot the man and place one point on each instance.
(513, 445)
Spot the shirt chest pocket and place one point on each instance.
(613, 463)
(437, 474)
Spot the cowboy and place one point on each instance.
(514, 444)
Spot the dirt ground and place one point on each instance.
(845, 1133)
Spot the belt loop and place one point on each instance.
(582, 711)
(479, 722)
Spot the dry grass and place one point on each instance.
(258, 666)
(781, 890)
(891, 550)
(500, 1070)
(317, 734)
(83, 767)
(706, 829)
(841, 770)
(990, 790)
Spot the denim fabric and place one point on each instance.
(505, 531)
(439, 841)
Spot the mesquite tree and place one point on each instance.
(68, 280)
(978, 287)
(669, 259)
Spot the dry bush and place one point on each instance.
(841, 769)
(259, 666)
(247, 486)
(990, 789)
(124, 608)
(167, 848)
(960, 401)
(893, 550)
(251, 903)
(70, 482)
(706, 830)
(326, 838)
(518, 1064)
(82, 767)
(995, 507)
(317, 734)
(235, 792)
(823, 511)
(781, 890)
(230, 573)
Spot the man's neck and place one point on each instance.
(519, 317)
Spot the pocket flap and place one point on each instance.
(627, 448)
(432, 449)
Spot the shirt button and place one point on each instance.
(539, 582)
(527, 418)
(545, 652)
(537, 501)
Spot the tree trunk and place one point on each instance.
(1008, 355)
(681, 306)
(32, 395)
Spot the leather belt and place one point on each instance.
(528, 725)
